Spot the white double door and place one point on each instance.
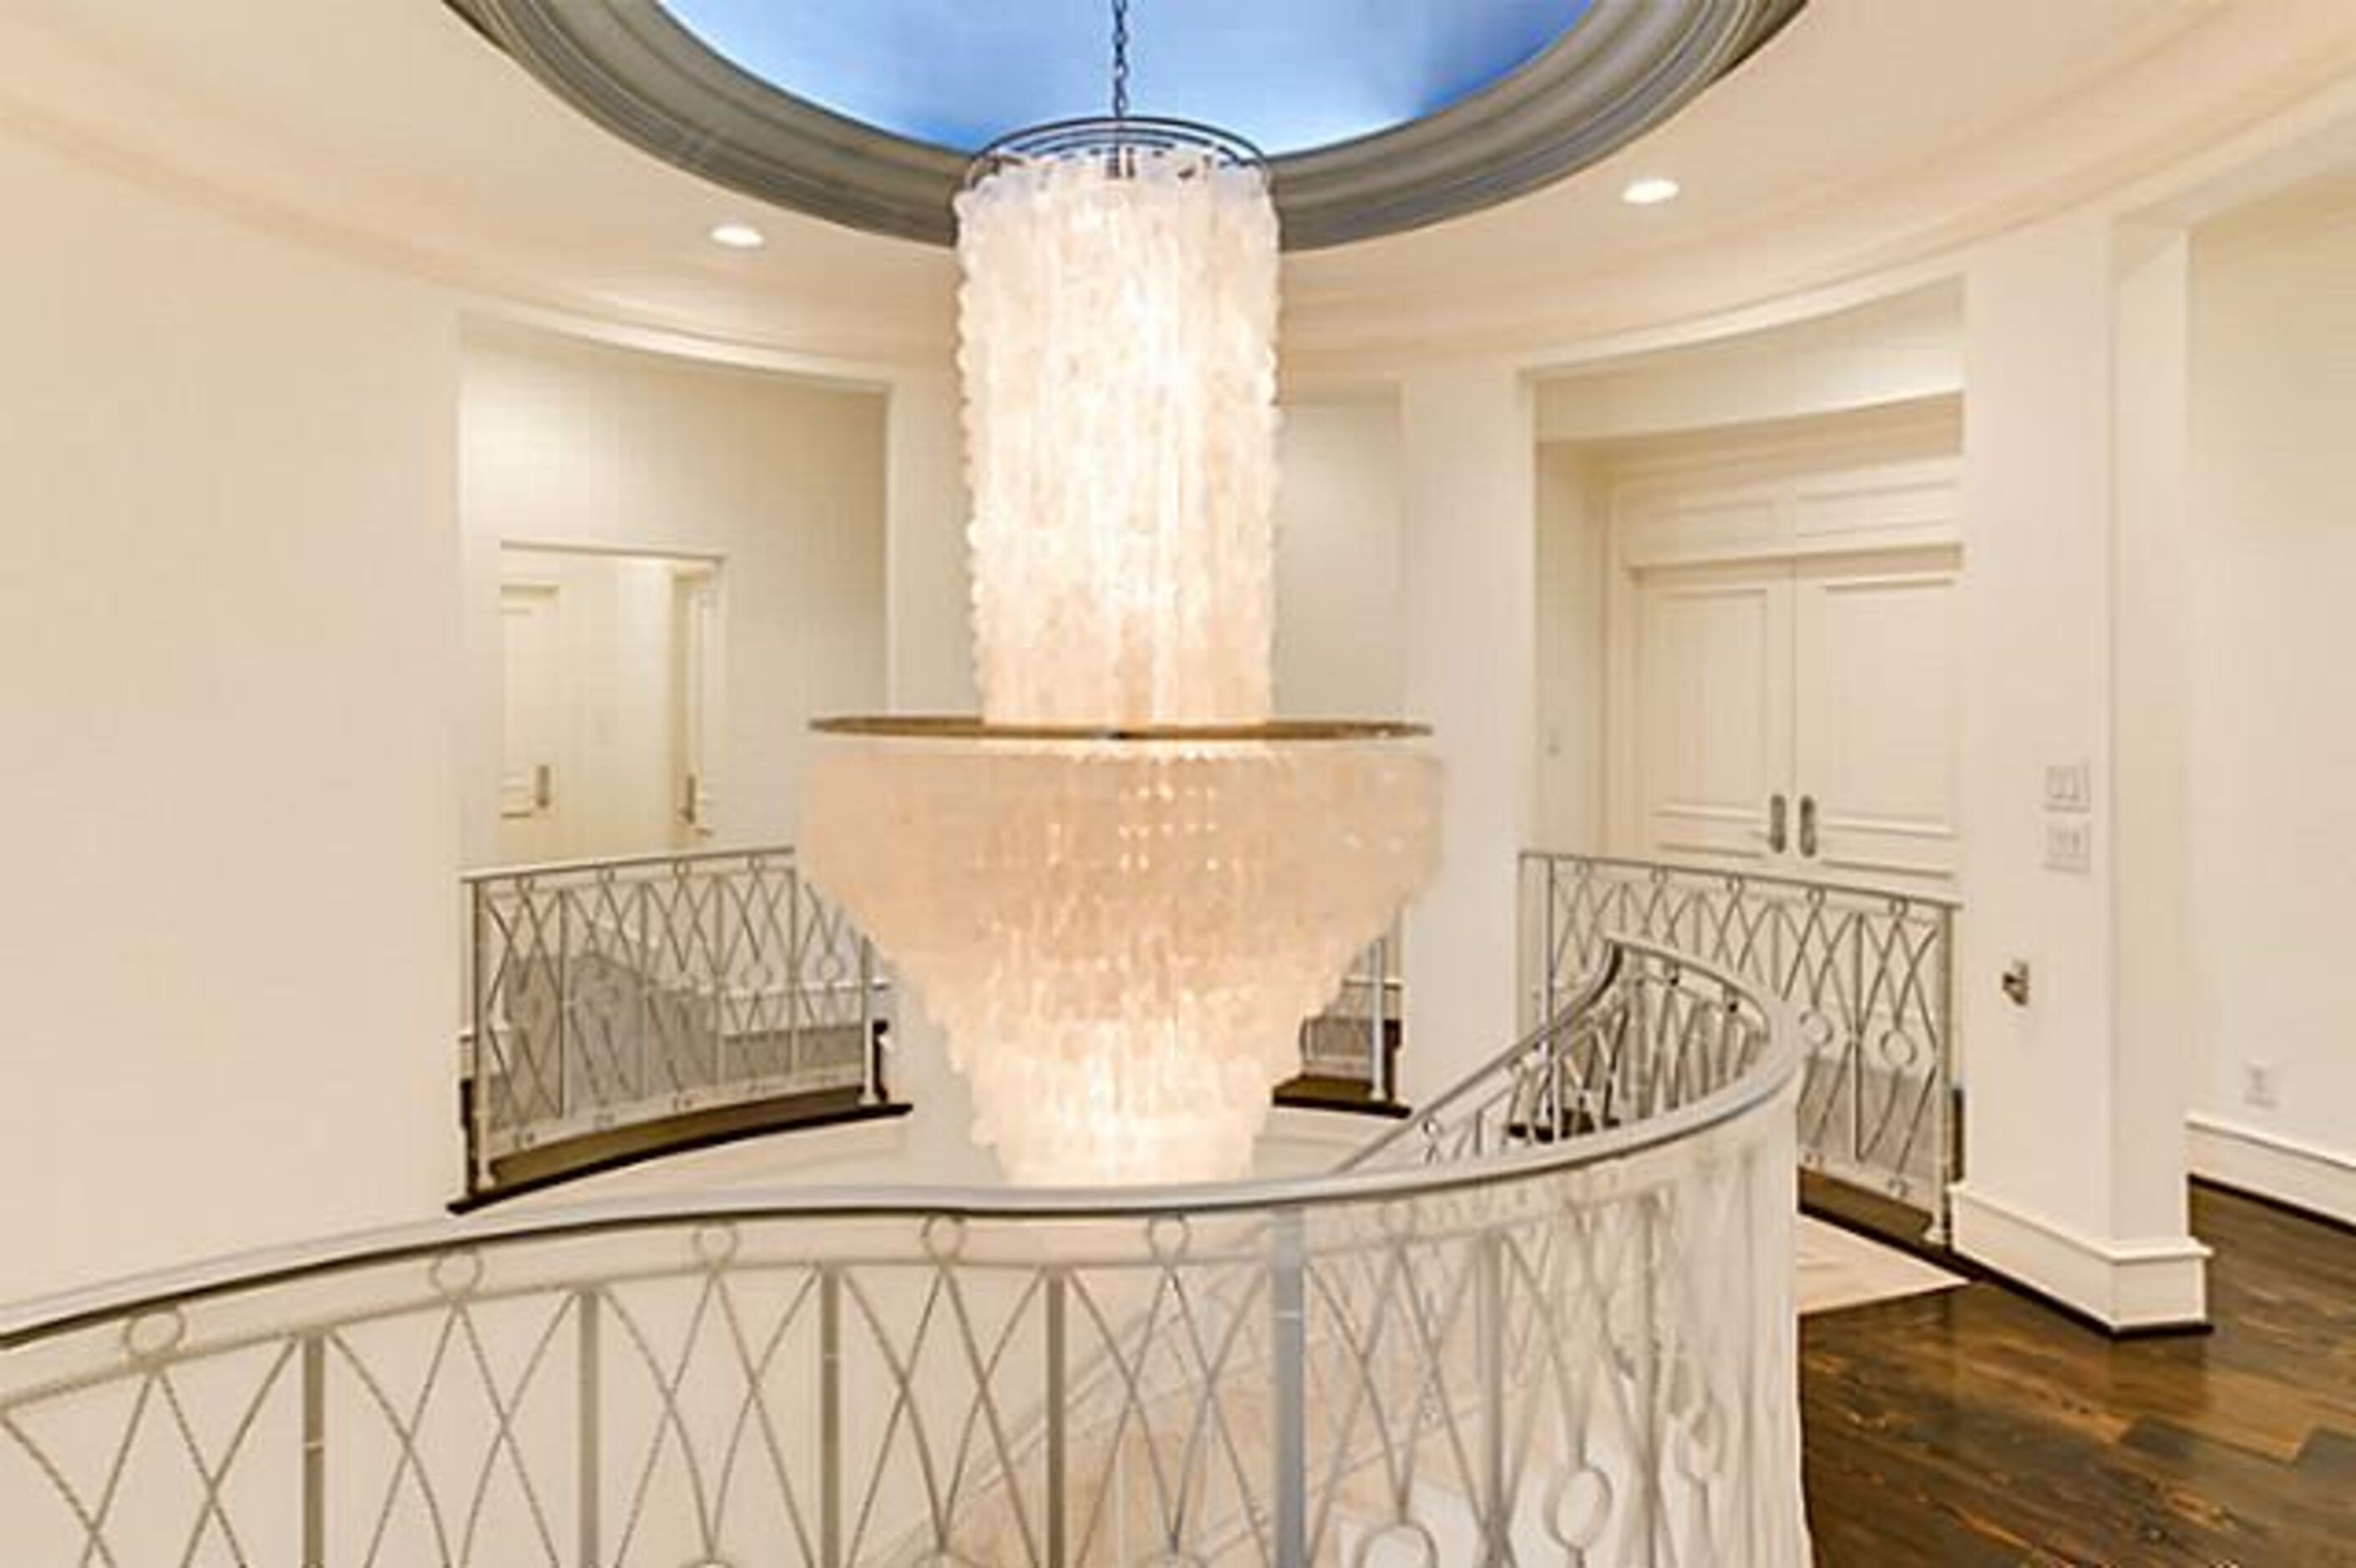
(1800, 716)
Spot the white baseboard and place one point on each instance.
(2154, 1283)
(2288, 1170)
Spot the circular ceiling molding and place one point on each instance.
(1285, 77)
(1620, 68)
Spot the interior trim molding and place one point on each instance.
(2127, 1287)
(2269, 1165)
(1622, 68)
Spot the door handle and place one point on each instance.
(1776, 837)
(543, 787)
(1808, 827)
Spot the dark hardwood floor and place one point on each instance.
(1977, 1426)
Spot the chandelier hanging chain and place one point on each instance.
(1120, 59)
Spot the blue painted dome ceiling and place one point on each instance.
(1288, 76)
(1378, 115)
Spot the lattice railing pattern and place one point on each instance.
(619, 992)
(1576, 1351)
(1869, 975)
(624, 993)
(1358, 1036)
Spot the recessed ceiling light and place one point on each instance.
(738, 236)
(1650, 191)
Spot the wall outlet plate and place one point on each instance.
(2260, 1089)
(2070, 847)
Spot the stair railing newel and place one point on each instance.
(1120, 889)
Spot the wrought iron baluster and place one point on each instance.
(588, 1450)
(1495, 1506)
(830, 1417)
(565, 1097)
(483, 1049)
(1288, 1350)
(1058, 1398)
(797, 970)
(315, 1451)
(1949, 1148)
(870, 1033)
(1860, 1028)
(642, 963)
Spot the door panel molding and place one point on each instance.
(1849, 703)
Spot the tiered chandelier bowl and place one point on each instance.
(1121, 888)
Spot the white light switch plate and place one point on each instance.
(2069, 787)
(2070, 847)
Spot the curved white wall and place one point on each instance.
(572, 443)
(228, 661)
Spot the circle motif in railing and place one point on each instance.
(1385, 1546)
(1899, 1050)
(943, 1237)
(716, 1245)
(1580, 1508)
(152, 1334)
(456, 1273)
(1168, 1238)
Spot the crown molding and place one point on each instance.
(1622, 69)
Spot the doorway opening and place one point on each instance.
(611, 688)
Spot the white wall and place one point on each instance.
(1894, 350)
(2075, 1161)
(1573, 563)
(229, 607)
(1339, 649)
(574, 443)
(2273, 546)
(929, 592)
(1469, 613)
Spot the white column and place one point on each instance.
(2074, 1102)
(928, 660)
(1467, 580)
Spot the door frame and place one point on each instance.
(711, 565)
(1768, 496)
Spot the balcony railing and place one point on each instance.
(621, 1008)
(1349, 1053)
(1869, 975)
(626, 1007)
(1549, 1321)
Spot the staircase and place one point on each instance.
(1549, 1320)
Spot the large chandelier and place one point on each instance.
(1122, 887)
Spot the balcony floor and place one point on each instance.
(1977, 1426)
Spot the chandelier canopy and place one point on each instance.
(1122, 889)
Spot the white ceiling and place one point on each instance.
(1871, 134)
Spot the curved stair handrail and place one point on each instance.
(1363, 1362)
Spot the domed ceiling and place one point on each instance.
(1379, 115)
(1287, 76)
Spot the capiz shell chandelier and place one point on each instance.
(1121, 889)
